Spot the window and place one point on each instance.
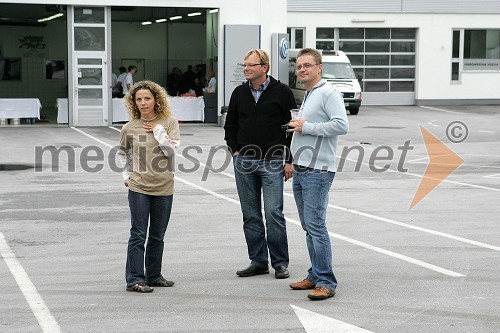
(384, 57)
(474, 50)
(296, 37)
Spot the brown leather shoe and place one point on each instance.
(320, 293)
(302, 285)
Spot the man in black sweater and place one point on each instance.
(260, 149)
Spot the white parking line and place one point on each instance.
(442, 110)
(401, 224)
(42, 313)
(344, 238)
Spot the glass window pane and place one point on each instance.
(299, 38)
(408, 60)
(379, 60)
(454, 71)
(377, 73)
(402, 86)
(402, 46)
(356, 60)
(406, 33)
(90, 76)
(89, 97)
(89, 14)
(382, 86)
(89, 39)
(89, 61)
(402, 73)
(325, 33)
(351, 46)
(482, 44)
(377, 33)
(351, 33)
(325, 45)
(377, 47)
(456, 44)
(358, 72)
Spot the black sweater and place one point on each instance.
(255, 128)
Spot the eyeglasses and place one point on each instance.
(250, 65)
(305, 66)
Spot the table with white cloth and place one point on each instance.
(183, 108)
(16, 108)
(62, 110)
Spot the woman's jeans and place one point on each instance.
(256, 178)
(310, 189)
(156, 209)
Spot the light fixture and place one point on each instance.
(211, 11)
(50, 17)
(194, 14)
(147, 23)
(161, 20)
(175, 18)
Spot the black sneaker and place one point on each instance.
(161, 282)
(281, 272)
(140, 287)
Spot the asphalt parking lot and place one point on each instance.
(64, 228)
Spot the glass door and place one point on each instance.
(88, 81)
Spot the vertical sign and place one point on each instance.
(279, 57)
(238, 40)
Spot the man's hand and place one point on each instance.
(296, 124)
(288, 171)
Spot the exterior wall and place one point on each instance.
(433, 52)
(397, 6)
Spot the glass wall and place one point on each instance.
(384, 57)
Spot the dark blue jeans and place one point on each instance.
(156, 210)
(256, 178)
(310, 190)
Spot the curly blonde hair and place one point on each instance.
(162, 105)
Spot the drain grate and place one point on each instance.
(15, 167)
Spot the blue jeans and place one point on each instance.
(256, 177)
(310, 189)
(156, 209)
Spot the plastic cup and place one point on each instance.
(295, 113)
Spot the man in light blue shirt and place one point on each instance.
(322, 119)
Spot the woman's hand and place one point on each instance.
(148, 126)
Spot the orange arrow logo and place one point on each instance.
(442, 162)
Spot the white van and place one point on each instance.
(337, 70)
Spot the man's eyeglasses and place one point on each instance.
(305, 66)
(250, 65)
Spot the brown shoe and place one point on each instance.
(302, 285)
(320, 293)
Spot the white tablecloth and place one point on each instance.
(13, 108)
(183, 108)
(62, 110)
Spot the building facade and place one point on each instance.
(409, 52)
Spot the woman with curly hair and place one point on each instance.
(148, 143)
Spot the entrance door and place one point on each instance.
(88, 91)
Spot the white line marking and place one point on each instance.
(496, 175)
(344, 238)
(42, 313)
(317, 323)
(442, 110)
(382, 219)
(420, 176)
